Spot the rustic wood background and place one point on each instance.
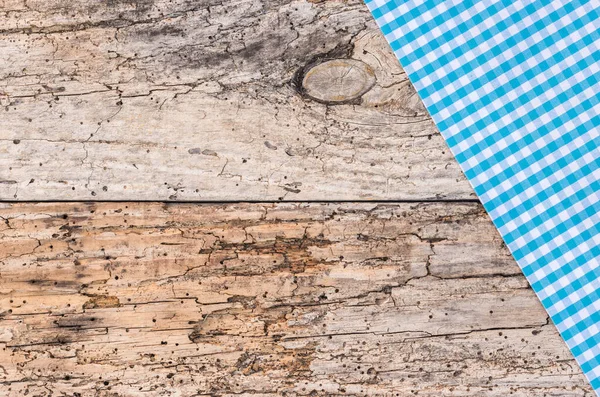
(243, 197)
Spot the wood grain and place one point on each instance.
(176, 100)
(158, 299)
(277, 100)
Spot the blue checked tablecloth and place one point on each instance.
(513, 88)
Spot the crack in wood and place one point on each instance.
(280, 298)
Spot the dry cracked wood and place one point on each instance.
(149, 299)
(177, 100)
(210, 100)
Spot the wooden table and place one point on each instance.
(243, 197)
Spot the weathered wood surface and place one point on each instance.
(149, 299)
(176, 100)
(210, 100)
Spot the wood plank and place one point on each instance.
(219, 100)
(126, 299)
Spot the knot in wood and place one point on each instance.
(338, 81)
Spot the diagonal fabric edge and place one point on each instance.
(514, 89)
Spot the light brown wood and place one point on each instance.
(338, 81)
(236, 100)
(179, 100)
(150, 299)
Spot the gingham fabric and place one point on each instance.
(513, 88)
